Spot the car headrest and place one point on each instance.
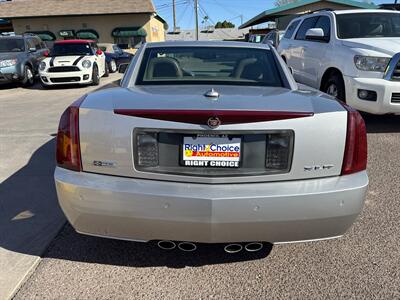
(164, 67)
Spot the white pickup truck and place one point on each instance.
(353, 55)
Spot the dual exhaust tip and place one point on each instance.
(249, 247)
(230, 248)
(170, 245)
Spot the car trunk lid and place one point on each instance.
(264, 127)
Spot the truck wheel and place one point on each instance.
(95, 75)
(335, 87)
(28, 77)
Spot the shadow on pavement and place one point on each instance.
(72, 246)
(382, 123)
(29, 213)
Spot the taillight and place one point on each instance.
(279, 149)
(147, 149)
(68, 151)
(355, 154)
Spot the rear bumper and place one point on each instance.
(137, 209)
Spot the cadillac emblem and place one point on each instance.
(213, 122)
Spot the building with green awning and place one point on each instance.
(127, 23)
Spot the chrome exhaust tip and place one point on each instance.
(253, 247)
(166, 245)
(233, 248)
(187, 246)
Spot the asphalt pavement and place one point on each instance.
(364, 264)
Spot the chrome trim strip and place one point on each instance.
(307, 241)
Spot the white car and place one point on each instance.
(73, 62)
(350, 54)
(211, 142)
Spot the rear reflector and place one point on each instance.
(202, 116)
(68, 151)
(355, 155)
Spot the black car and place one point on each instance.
(20, 57)
(115, 56)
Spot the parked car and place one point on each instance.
(20, 57)
(115, 56)
(273, 37)
(73, 62)
(211, 142)
(350, 54)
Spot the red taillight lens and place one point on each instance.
(68, 151)
(355, 155)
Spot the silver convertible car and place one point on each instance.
(211, 142)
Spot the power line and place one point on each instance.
(212, 22)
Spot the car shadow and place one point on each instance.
(73, 246)
(382, 123)
(30, 218)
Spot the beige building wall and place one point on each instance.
(103, 24)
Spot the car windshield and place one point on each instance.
(367, 25)
(12, 45)
(71, 49)
(209, 65)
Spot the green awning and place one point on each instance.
(129, 32)
(66, 33)
(87, 34)
(44, 35)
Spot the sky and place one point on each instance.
(216, 10)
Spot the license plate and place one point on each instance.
(212, 152)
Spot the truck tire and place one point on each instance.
(334, 86)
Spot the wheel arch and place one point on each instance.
(328, 73)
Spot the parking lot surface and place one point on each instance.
(364, 264)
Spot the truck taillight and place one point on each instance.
(355, 155)
(68, 152)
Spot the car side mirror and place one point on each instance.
(32, 49)
(122, 68)
(99, 52)
(316, 34)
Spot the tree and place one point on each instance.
(224, 24)
(283, 2)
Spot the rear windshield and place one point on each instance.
(12, 45)
(204, 65)
(71, 49)
(367, 25)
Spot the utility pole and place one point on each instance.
(174, 14)
(196, 13)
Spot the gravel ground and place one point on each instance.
(364, 264)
